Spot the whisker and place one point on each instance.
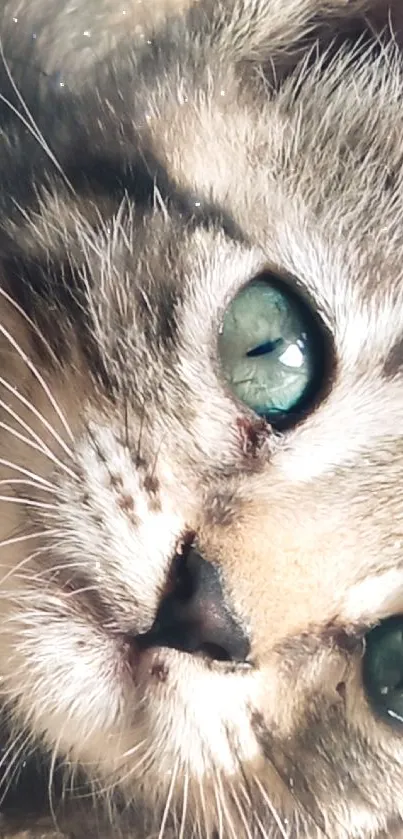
(28, 404)
(11, 768)
(98, 451)
(21, 564)
(149, 753)
(24, 425)
(28, 502)
(27, 472)
(35, 372)
(126, 419)
(261, 826)
(14, 539)
(220, 801)
(13, 743)
(32, 324)
(140, 434)
(29, 121)
(51, 778)
(169, 799)
(271, 808)
(133, 749)
(66, 566)
(46, 452)
(204, 811)
(185, 804)
(241, 812)
(78, 591)
(248, 795)
(155, 461)
(25, 482)
(50, 574)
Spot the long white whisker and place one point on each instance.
(222, 804)
(204, 812)
(133, 770)
(37, 414)
(27, 472)
(66, 566)
(272, 809)
(37, 135)
(15, 539)
(25, 482)
(261, 826)
(13, 571)
(47, 453)
(24, 425)
(43, 575)
(31, 323)
(28, 502)
(130, 752)
(185, 805)
(35, 372)
(169, 799)
(51, 777)
(82, 590)
(10, 768)
(241, 812)
(29, 121)
(13, 742)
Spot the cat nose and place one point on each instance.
(195, 616)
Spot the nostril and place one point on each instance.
(195, 616)
(215, 652)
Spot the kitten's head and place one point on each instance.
(201, 446)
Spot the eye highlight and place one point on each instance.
(383, 669)
(271, 350)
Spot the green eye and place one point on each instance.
(271, 349)
(383, 669)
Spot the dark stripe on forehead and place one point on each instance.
(48, 281)
(141, 179)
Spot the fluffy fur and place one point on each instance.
(142, 186)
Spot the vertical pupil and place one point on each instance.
(262, 349)
(266, 346)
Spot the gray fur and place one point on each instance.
(268, 135)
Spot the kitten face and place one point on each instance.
(189, 589)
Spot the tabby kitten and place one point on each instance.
(201, 415)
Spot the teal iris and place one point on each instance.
(383, 669)
(266, 348)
